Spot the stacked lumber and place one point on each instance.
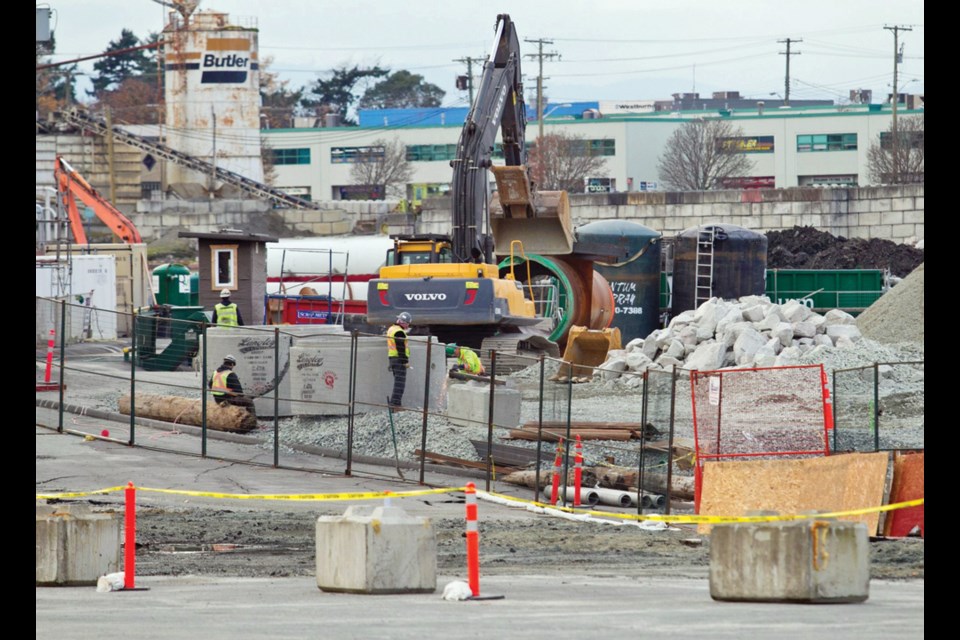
(587, 430)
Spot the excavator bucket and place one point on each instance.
(538, 219)
(586, 349)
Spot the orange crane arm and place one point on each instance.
(72, 186)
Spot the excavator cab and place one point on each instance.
(420, 249)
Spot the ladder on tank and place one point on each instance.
(704, 265)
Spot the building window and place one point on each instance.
(600, 185)
(352, 155)
(828, 181)
(580, 148)
(223, 266)
(827, 142)
(908, 140)
(359, 192)
(431, 152)
(748, 144)
(291, 156)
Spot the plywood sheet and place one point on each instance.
(832, 483)
(907, 485)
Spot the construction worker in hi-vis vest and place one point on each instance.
(398, 353)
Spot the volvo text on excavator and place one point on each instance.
(450, 284)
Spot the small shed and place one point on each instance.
(234, 260)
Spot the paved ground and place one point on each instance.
(625, 597)
(559, 578)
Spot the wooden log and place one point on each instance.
(528, 478)
(181, 410)
(624, 478)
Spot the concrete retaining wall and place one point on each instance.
(890, 213)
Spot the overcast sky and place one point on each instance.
(607, 49)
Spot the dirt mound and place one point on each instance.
(810, 248)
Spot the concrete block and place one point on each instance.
(320, 375)
(376, 550)
(891, 218)
(76, 546)
(468, 404)
(812, 561)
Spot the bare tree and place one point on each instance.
(898, 157)
(384, 163)
(701, 153)
(561, 162)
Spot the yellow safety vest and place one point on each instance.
(219, 384)
(470, 361)
(392, 341)
(227, 314)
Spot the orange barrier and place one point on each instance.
(577, 472)
(473, 541)
(556, 472)
(130, 539)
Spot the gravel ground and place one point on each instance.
(275, 542)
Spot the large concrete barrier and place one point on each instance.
(813, 561)
(468, 404)
(314, 369)
(376, 550)
(75, 546)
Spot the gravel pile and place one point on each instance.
(615, 394)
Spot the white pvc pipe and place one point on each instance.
(588, 496)
(615, 498)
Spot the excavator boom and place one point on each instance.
(71, 187)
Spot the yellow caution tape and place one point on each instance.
(310, 497)
(697, 519)
(380, 495)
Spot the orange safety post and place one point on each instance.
(556, 472)
(130, 539)
(473, 540)
(50, 343)
(577, 472)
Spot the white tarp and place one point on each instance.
(88, 284)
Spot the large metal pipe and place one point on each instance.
(584, 297)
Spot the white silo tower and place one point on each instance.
(212, 93)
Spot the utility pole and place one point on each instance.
(213, 155)
(469, 62)
(897, 56)
(108, 115)
(786, 82)
(540, 55)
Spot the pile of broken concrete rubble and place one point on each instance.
(749, 332)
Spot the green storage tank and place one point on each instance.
(173, 284)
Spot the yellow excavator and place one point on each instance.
(450, 284)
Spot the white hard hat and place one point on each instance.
(230, 359)
(225, 293)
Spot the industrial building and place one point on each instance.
(796, 145)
